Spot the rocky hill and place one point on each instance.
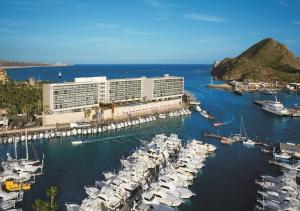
(267, 60)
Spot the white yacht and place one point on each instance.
(161, 197)
(180, 192)
(283, 156)
(249, 142)
(275, 107)
(154, 206)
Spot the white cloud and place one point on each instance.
(296, 22)
(204, 17)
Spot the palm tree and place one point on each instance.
(54, 206)
(87, 113)
(37, 205)
(52, 192)
(45, 206)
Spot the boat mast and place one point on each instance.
(243, 129)
(241, 125)
(16, 155)
(26, 144)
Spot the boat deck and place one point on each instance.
(293, 112)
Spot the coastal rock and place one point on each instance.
(267, 60)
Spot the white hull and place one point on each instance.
(275, 111)
(76, 142)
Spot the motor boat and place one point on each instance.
(275, 107)
(283, 156)
(77, 142)
(249, 142)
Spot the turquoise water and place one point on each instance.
(227, 180)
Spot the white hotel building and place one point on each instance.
(87, 93)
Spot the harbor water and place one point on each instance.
(227, 180)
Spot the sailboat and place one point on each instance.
(59, 74)
(242, 136)
(26, 165)
(246, 141)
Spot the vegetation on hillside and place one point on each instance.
(267, 60)
(21, 98)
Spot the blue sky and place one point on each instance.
(142, 31)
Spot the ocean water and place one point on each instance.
(227, 180)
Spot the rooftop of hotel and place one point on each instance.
(104, 78)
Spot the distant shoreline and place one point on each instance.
(19, 67)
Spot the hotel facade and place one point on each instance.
(68, 101)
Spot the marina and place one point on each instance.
(66, 162)
(89, 129)
(155, 174)
(17, 176)
(151, 105)
(279, 193)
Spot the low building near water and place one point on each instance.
(69, 102)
